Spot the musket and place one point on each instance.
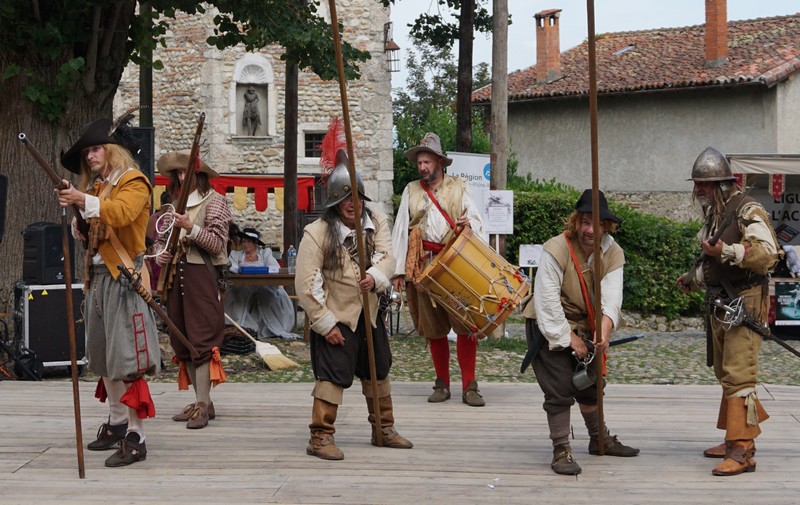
(70, 307)
(358, 205)
(180, 207)
(735, 315)
(712, 241)
(83, 226)
(135, 283)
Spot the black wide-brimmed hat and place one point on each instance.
(585, 205)
(252, 234)
(99, 132)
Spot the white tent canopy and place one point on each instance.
(787, 164)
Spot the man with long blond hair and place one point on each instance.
(559, 326)
(122, 340)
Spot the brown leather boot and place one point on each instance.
(718, 451)
(390, 436)
(738, 459)
(739, 438)
(321, 444)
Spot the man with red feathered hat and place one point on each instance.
(122, 341)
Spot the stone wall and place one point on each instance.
(199, 78)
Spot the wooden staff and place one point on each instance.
(73, 350)
(373, 375)
(597, 266)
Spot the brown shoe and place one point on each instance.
(130, 451)
(322, 446)
(440, 392)
(199, 417)
(613, 447)
(392, 439)
(471, 397)
(563, 463)
(107, 436)
(738, 459)
(186, 413)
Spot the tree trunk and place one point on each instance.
(464, 84)
(30, 192)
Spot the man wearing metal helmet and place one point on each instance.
(559, 324)
(122, 340)
(734, 267)
(329, 286)
(429, 209)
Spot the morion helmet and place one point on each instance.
(339, 182)
(711, 166)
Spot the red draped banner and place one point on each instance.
(261, 186)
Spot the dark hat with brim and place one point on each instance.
(251, 234)
(178, 160)
(430, 143)
(96, 134)
(585, 205)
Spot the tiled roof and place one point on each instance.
(763, 51)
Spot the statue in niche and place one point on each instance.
(251, 119)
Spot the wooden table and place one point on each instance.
(282, 278)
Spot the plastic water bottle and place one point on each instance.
(291, 258)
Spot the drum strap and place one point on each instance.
(436, 202)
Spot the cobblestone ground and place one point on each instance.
(658, 357)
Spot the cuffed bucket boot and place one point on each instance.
(390, 438)
(718, 451)
(323, 417)
(739, 438)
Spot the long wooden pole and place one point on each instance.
(73, 351)
(373, 375)
(597, 264)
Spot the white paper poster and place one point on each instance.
(499, 212)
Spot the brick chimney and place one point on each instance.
(716, 33)
(548, 54)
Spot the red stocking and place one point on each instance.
(466, 351)
(440, 352)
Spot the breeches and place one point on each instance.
(121, 335)
(195, 308)
(339, 363)
(554, 371)
(431, 322)
(736, 350)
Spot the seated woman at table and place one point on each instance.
(266, 309)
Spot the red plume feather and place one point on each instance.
(331, 143)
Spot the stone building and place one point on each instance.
(250, 155)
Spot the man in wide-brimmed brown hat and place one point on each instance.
(193, 299)
(429, 209)
(122, 340)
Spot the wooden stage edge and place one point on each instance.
(254, 451)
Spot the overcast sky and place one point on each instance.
(610, 16)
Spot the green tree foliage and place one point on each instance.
(58, 45)
(657, 250)
(427, 105)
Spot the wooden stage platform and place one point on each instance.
(254, 452)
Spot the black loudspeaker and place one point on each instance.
(3, 198)
(41, 315)
(43, 258)
(145, 136)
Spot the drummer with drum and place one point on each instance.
(559, 327)
(430, 209)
